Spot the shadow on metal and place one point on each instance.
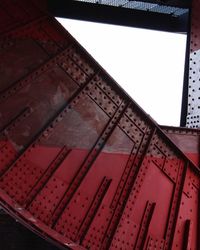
(81, 164)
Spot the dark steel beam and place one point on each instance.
(118, 16)
(184, 105)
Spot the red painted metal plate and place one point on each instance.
(187, 140)
(80, 163)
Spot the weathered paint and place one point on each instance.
(80, 163)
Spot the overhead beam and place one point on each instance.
(119, 16)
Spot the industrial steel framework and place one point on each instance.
(81, 164)
(171, 16)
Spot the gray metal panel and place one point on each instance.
(193, 112)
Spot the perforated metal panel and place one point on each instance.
(193, 115)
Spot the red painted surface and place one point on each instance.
(195, 29)
(188, 140)
(80, 163)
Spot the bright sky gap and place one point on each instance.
(149, 65)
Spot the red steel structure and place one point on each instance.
(81, 164)
(187, 140)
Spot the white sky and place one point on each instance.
(149, 65)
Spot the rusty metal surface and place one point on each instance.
(187, 140)
(81, 164)
(13, 13)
